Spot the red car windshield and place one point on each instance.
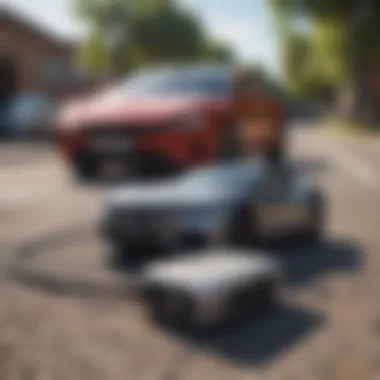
(208, 81)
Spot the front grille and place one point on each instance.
(144, 163)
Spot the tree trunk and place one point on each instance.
(358, 100)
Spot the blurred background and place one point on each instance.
(64, 48)
(321, 52)
(324, 56)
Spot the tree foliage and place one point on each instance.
(217, 51)
(338, 51)
(168, 33)
(124, 34)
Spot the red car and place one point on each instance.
(157, 121)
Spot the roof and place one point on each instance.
(16, 17)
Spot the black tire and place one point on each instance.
(242, 229)
(277, 154)
(314, 234)
(270, 299)
(85, 168)
(118, 258)
(129, 254)
(164, 310)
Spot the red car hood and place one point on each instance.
(114, 109)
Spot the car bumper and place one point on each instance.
(167, 237)
(139, 148)
(156, 239)
(133, 165)
(178, 305)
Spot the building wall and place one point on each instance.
(42, 64)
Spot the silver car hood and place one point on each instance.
(213, 185)
(165, 194)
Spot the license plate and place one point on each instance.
(278, 217)
(112, 144)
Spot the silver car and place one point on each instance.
(239, 203)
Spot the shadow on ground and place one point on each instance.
(257, 341)
(311, 166)
(304, 264)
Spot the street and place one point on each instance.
(87, 326)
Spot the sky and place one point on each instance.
(246, 24)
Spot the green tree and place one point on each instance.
(125, 34)
(166, 32)
(92, 54)
(343, 44)
(110, 27)
(218, 52)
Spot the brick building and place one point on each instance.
(42, 62)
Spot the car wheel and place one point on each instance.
(85, 168)
(167, 306)
(317, 210)
(118, 258)
(269, 298)
(243, 230)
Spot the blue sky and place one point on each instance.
(244, 23)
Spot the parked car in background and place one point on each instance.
(156, 121)
(31, 115)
